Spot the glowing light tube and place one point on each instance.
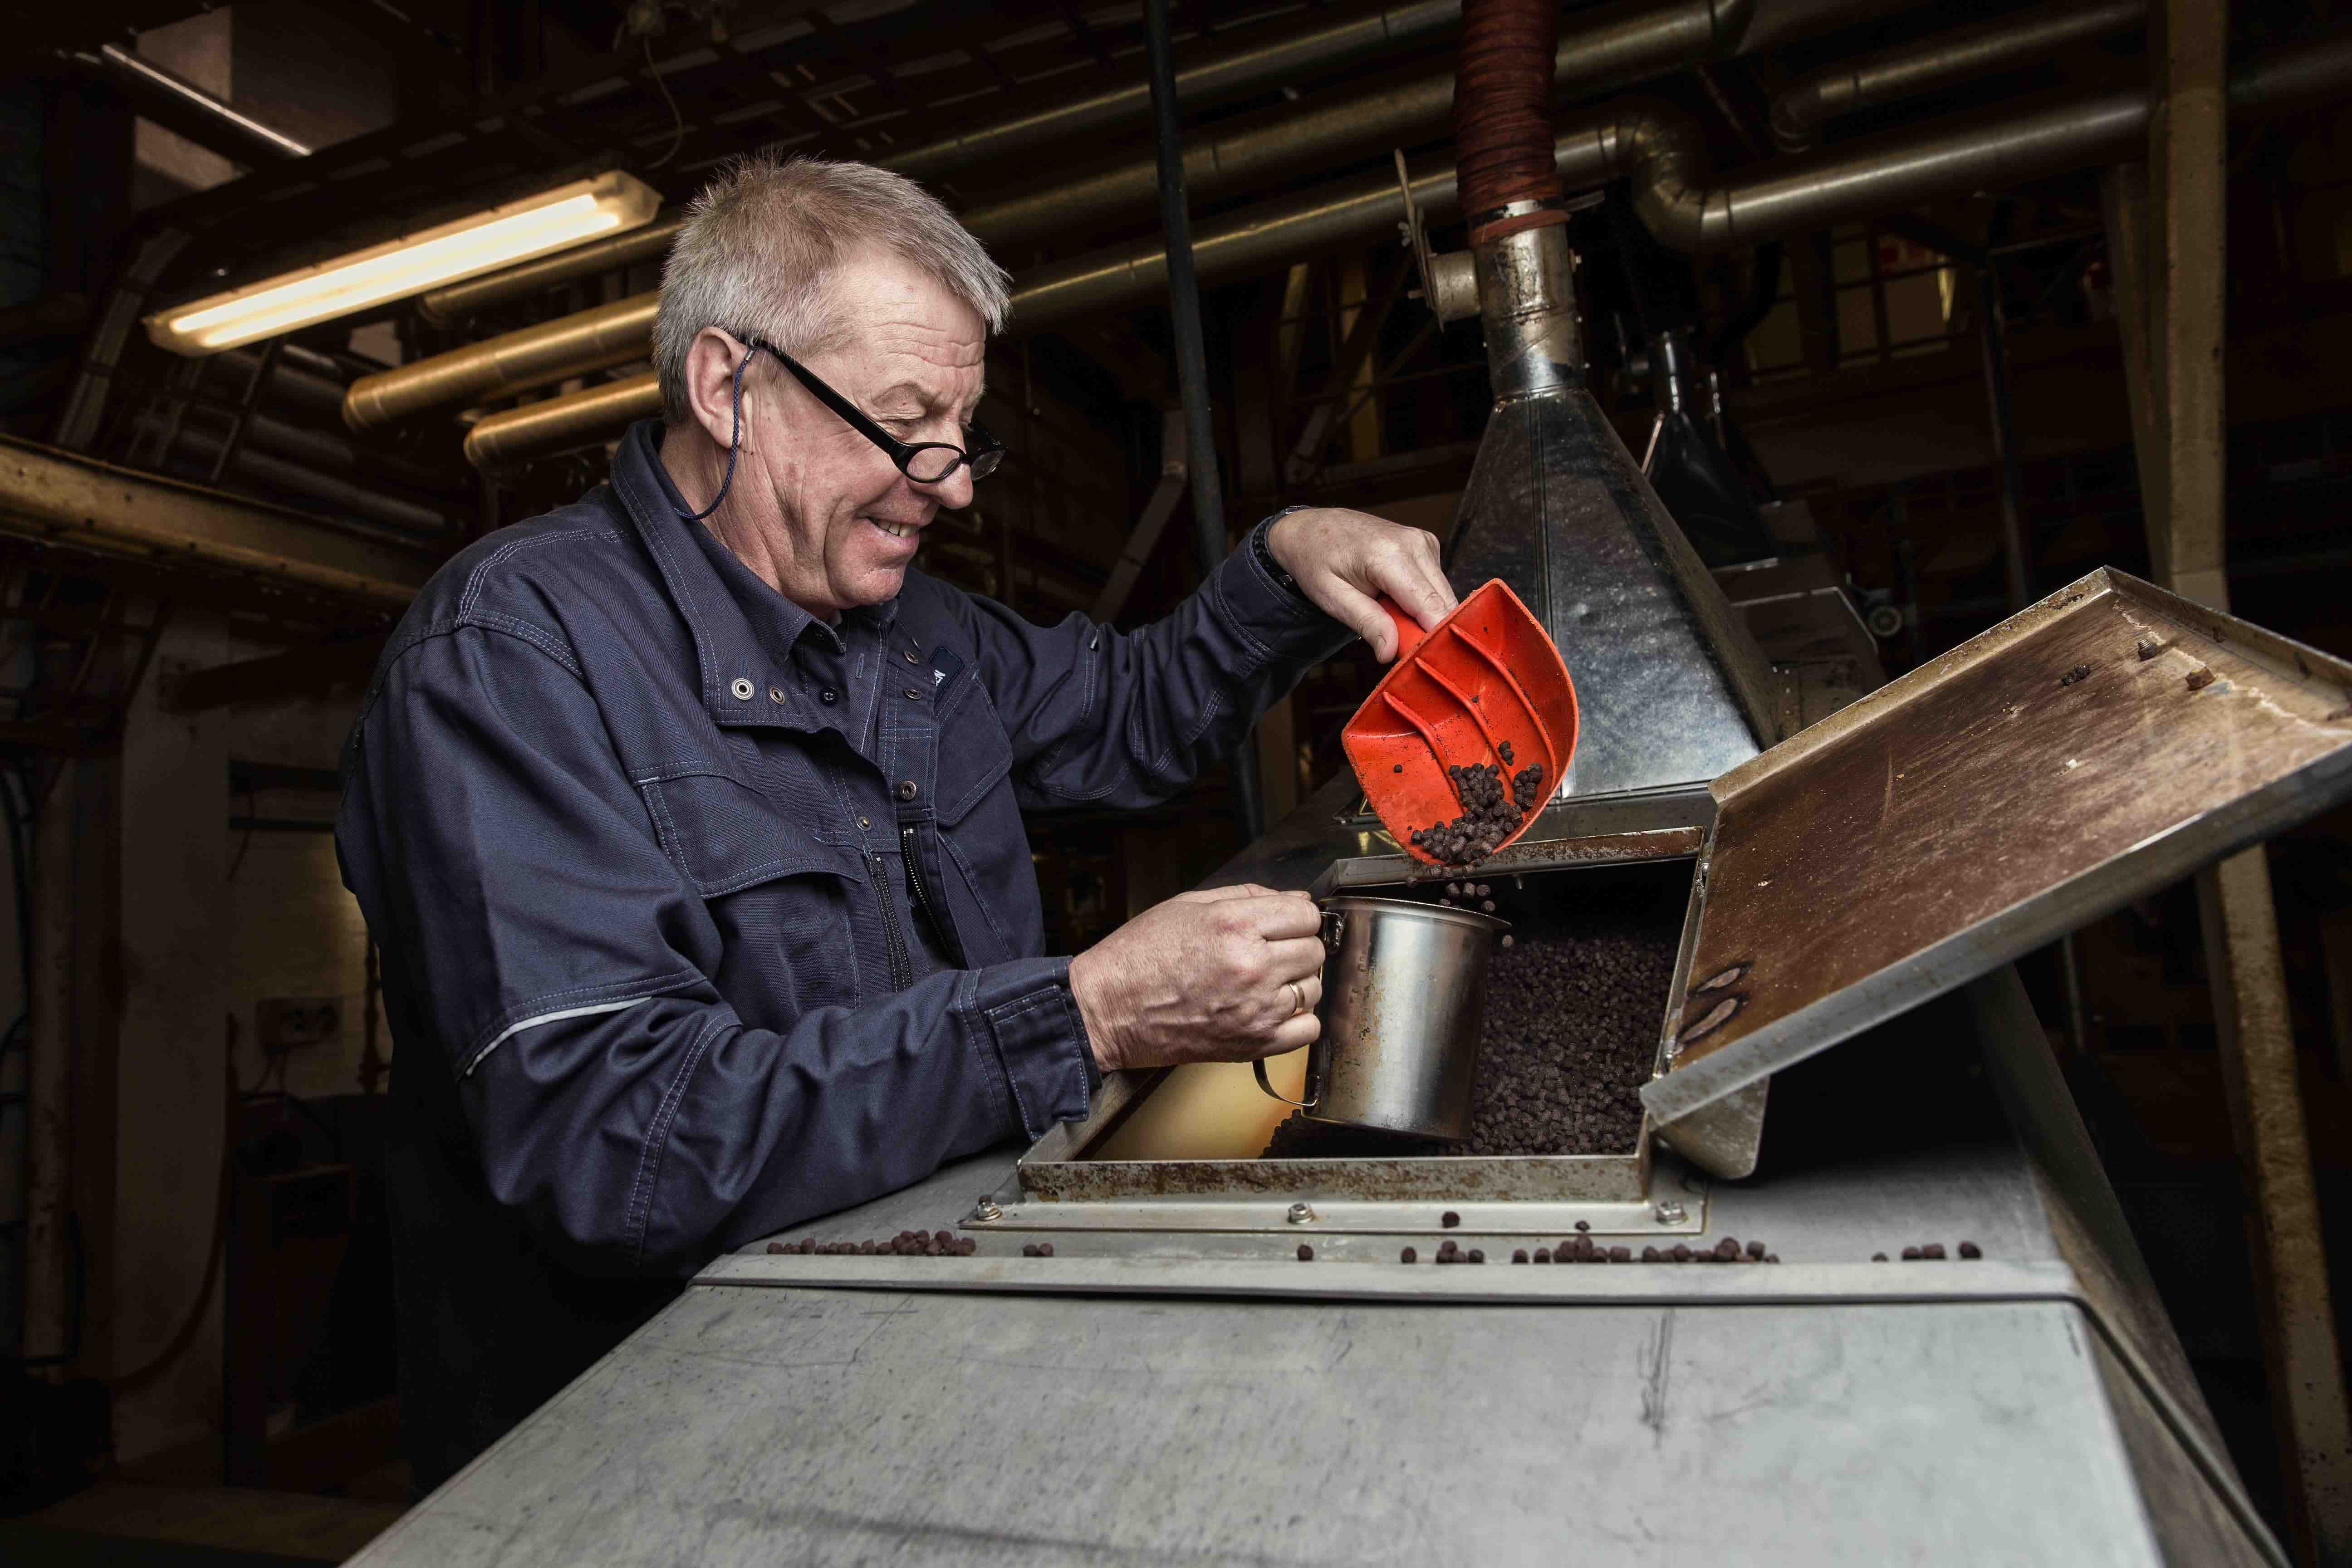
(518, 231)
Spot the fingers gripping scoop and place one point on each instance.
(1484, 687)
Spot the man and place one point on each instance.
(687, 817)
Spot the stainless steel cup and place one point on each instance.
(1404, 990)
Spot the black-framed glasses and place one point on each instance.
(925, 462)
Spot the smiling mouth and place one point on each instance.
(895, 529)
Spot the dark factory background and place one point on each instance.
(1913, 420)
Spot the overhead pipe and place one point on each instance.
(555, 351)
(1253, 68)
(1661, 154)
(1263, 63)
(1609, 47)
(57, 497)
(1624, 42)
(172, 101)
(1910, 70)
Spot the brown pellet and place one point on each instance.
(1934, 1251)
(1570, 1035)
(1044, 1249)
(1584, 1224)
(1910, 1255)
(1971, 1250)
(1681, 1254)
(1485, 905)
(2079, 672)
(775, 1247)
(1772, 1258)
(1476, 1256)
(1649, 1254)
(1305, 1253)
(1755, 1250)
(2198, 679)
(1519, 1255)
(1878, 1257)
(1449, 1219)
(1543, 1255)
(1726, 1249)
(1398, 769)
(1447, 1249)
(1407, 1256)
(1621, 1255)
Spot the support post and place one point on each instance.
(2166, 224)
(1193, 366)
(49, 1336)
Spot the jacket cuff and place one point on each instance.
(1041, 1045)
(1271, 615)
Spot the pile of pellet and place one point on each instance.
(1488, 816)
(906, 1244)
(1571, 1032)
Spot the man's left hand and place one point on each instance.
(1346, 561)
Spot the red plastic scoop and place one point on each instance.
(1487, 677)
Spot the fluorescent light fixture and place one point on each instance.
(518, 231)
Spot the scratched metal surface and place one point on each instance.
(773, 1426)
(2012, 789)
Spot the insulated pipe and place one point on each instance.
(1502, 118)
(1652, 145)
(1911, 69)
(1270, 63)
(1615, 43)
(512, 362)
(1266, 63)
(454, 303)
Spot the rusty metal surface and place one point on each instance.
(2030, 780)
(1522, 1178)
(1528, 855)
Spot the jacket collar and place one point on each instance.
(743, 630)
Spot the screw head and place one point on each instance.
(1669, 1213)
(986, 1209)
(1300, 1215)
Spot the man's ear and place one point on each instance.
(710, 363)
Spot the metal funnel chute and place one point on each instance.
(1672, 689)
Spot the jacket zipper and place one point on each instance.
(894, 935)
(910, 850)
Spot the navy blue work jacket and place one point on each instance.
(699, 917)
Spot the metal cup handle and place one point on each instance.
(1334, 924)
(1258, 1067)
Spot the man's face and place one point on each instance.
(828, 518)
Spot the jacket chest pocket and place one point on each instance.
(781, 897)
(991, 886)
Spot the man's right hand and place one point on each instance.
(1206, 977)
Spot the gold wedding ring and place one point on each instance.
(1297, 997)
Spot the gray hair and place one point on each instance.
(763, 237)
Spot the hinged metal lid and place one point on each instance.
(2101, 744)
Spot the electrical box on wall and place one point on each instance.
(283, 1023)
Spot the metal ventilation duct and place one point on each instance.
(1672, 688)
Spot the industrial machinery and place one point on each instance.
(1912, 1325)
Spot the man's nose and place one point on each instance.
(953, 493)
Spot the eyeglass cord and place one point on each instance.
(734, 445)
